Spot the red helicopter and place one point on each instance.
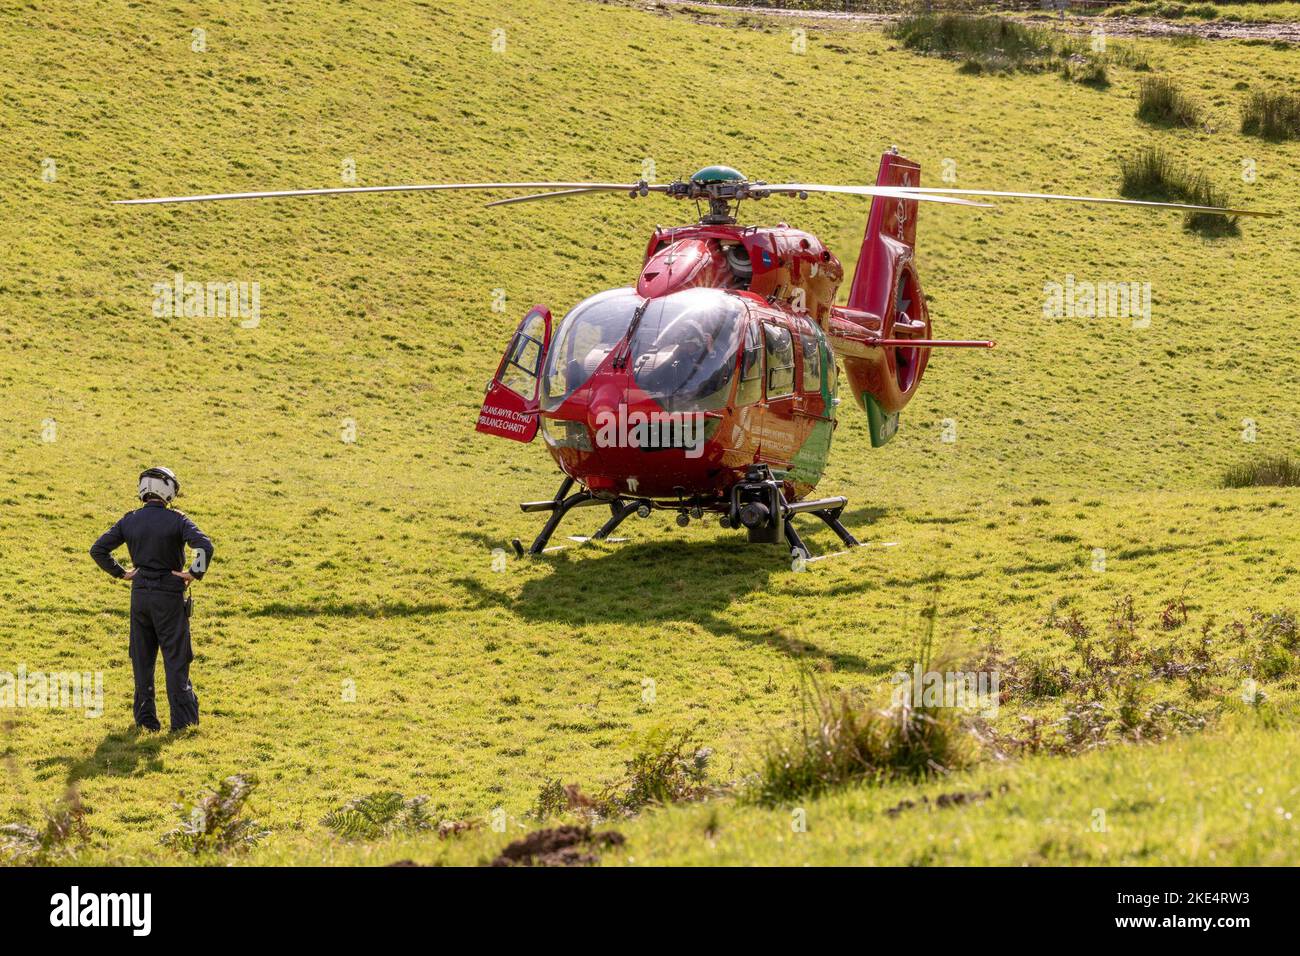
(711, 386)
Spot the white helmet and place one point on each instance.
(158, 482)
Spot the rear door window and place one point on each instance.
(812, 361)
(780, 361)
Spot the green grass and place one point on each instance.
(992, 44)
(353, 637)
(991, 40)
(843, 739)
(1167, 11)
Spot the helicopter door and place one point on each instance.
(780, 432)
(813, 398)
(510, 408)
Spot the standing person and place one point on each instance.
(155, 536)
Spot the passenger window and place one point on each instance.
(751, 373)
(780, 361)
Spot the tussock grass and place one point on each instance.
(1162, 103)
(1087, 71)
(1271, 115)
(846, 737)
(1281, 471)
(1149, 173)
(1155, 175)
(987, 44)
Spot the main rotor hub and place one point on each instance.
(722, 187)
(718, 174)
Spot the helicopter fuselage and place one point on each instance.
(619, 439)
(711, 385)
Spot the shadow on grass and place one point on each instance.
(350, 609)
(665, 583)
(122, 753)
(94, 611)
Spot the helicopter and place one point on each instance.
(711, 385)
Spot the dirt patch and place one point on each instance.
(1155, 27)
(558, 846)
(453, 828)
(1114, 26)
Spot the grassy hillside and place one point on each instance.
(367, 565)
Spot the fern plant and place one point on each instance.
(215, 822)
(378, 815)
(64, 831)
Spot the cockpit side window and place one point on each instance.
(780, 361)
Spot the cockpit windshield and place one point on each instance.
(591, 329)
(683, 352)
(684, 349)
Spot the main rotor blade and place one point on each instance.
(535, 196)
(892, 192)
(338, 191)
(1092, 199)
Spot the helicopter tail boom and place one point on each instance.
(883, 336)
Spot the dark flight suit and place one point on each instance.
(156, 536)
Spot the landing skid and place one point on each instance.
(762, 489)
(563, 503)
(829, 512)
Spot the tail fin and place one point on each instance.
(885, 301)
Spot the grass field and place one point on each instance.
(354, 635)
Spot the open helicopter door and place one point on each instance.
(510, 409)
